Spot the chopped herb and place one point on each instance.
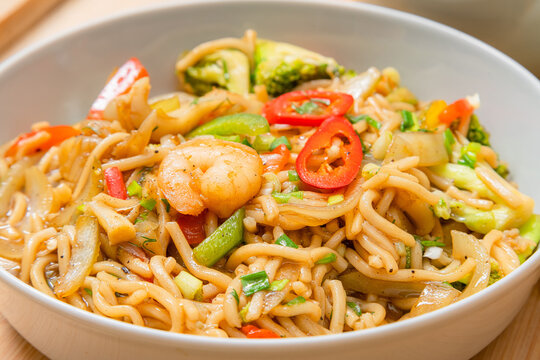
(307, 107)
(407, 122)
(373, 123)
(141, 217)
(282, 198)
(246, 142)
(155, 128)
(469, 154)
(502, 170)
(280, 140)
(134, 189)
(296, 300)
(147, 241)
(449, 140)
(148, 204)
(226, 74)
(255, 282)
(430, 243)
(167, 204)
(88, 291)
(235, 296)
(328, 258)
(195, 101)
(335, 199)
(476, 132)
(355, 307)
(284, 240)
(408, 257)
(81, 208)
(326, 102)
(370, 121)
(243, 312)
(293, 175)
(365, 149)
(278, 285)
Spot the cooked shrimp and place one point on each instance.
(210, 173)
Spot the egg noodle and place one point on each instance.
(425, 220)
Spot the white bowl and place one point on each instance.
(57, 80)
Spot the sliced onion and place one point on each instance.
(359, 282)
(436, 295)
(428, 147)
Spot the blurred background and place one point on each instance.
(512, 26)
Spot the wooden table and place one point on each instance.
(520, 341)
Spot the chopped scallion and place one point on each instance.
(235, 296)
(134, 189)
(407, 121)
(335, 199)
(255, 282)
(284, 240)
(283, 198)
(88, 291)
(328, 258)
(429, 243)
(449, 140)
(148, 204)
(278, 285)
(293, 175)
(167, 204)
(296, 300)
(280, 140)
(355, 307)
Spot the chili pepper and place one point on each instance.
(253, 332)
(460, 109)
(326, 176)
(115, 183)
(275, 160)
(306, 108)
(120, 83)
(192, 227)
(56, 134)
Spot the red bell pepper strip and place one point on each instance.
(253, 332)
(192, 227)
(460, 109)
(307, 108)
(328, 177)
(56, 134)
(115, 183)
(120, 83)
(276, 160)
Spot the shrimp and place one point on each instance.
(210, 173)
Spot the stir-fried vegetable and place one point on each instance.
(326, 177)
(241, 124)
(530, 230)
(307, 108)
(226, 69)
(48, 137)
(254, 282)
(275, 160)
(192, 227)
(84, 253)
(115, 183)
(430, 148)
(458, 110)
(222, 240)
(253, 332)
(477, 133)
(189, 285)
(281, 67)
(120, 83)
(284, 240)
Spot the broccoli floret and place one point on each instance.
(477, 133)
(282, 67)
(226, 69)
(502, 170)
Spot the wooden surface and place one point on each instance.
(520, 341)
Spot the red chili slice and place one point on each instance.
(276, 160)
(328, 176)
(192, 227)
(253, 332)
(307, 108)
(119, 84)
(460, 109)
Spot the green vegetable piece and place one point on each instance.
(502, 170)
(255, 282)
(469, 154)
(280, 140)
(430, 243)
(284, 240)
(476, 132)
(233, 138)
(235, 124)
(278, 285)
(263, 142)
(242, 313)
(246, 142)
(293, 176)
(355, 307)
(327, 259)
(134, 189)
(408, 121)
(408, 257)
(335, 199)
(235, 296)
(281, 67)
(88, 291)
(226, 69)
(373, 123)
(167, 204)
(283, 198)
(189, 285)
(308, 107)
(222, 240)
(296, 300)
(449, 140)
(531, 231)
(148, 204)
(402, 94)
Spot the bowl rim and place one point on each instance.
(123, 329)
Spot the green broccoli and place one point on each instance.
(477, 133)
(282, 67)
(226, 69)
